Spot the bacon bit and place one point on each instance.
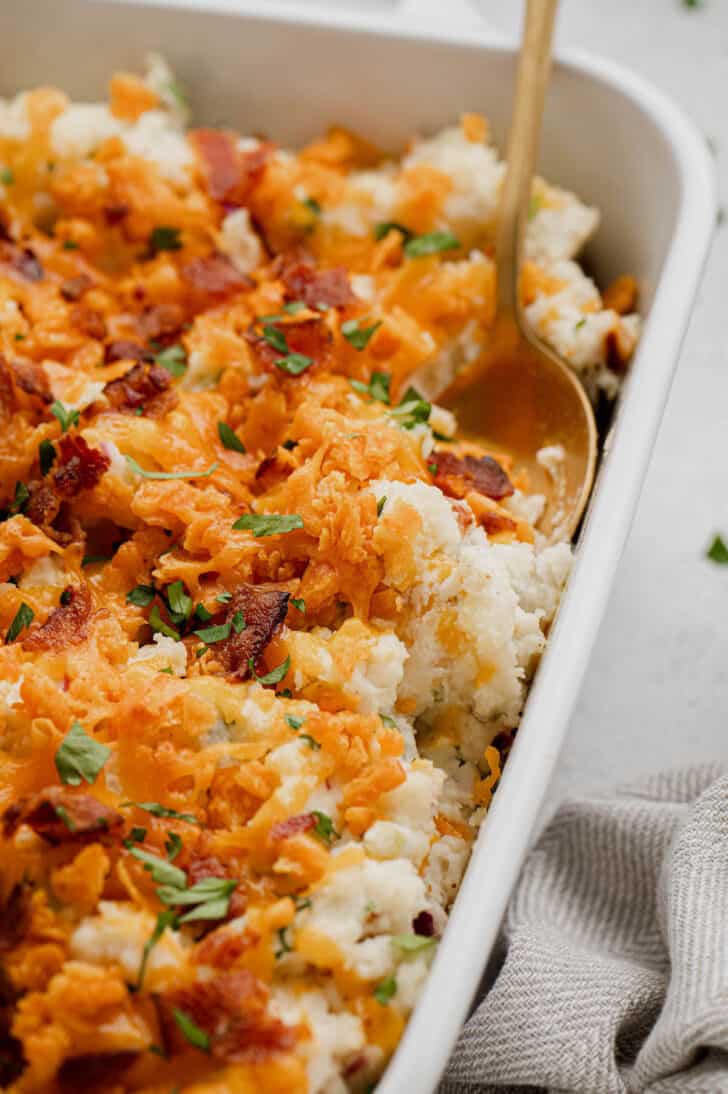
(126, 351)
(80, 467)
(140, 386)
(304, 822)
(458, 476)
(31, 378)
(43, 504)
(354, 1065)
(67, 625)
(15, 915)
(264, 611)
(223, 946)
(215, 275)
(161, 323)
(232, 1008)
(311, 337)
(423, 924)
(59, 815)
(75, 287)
(22, 260)
(304, 282)
(87, 1073)
(115, 213)
(229, 173)
(89, 322)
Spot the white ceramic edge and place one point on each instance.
(474, 923)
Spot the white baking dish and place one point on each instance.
(619, 143)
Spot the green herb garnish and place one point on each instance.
(299, 604)
(310, 741)
(159, 626)
(179, 602)
(293, 722)
(141, 595)
(430, 244)
(718, 551)
(357, 336)
(268, 524)
(229, 438)
(164, 919)
(381, 502)
(385, 227)
(275, 338)
(163, 872)
(190, 1031)
(169, 474)
(23, 618)
(210, 635)
(67, 418)
(80, 757)
(164, 238)
(173, 358)
(294, 363)
(385, 990)
(324, 827)
(158, 810)
(413, 943)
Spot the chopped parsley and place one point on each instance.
(413, 943)
(381, 502)
(275, 338)
(430, 244)
(302, 902)
(169, 474)
(159, 626)
(210, 897)
(190, 1031)
(67, 418)
(294, 363)
(580, 323)
(718, 551)
(378, 386)
(293, 307)
(412, 409)
(293, 722)
(217, 633)
(7, 177)
(386, 226)
(179, 602)
(534, 205)
(137, 834)
(173, 358)
(173, 845)
(324, 827)
(357, 336)
(312, 205)
(229, 438)
(299, 604)
(164, 238)
(70, 245)
(157, 810)
(388, 721)
(164, 919)
(223, 598)
(80, 757)
(310, 741)
(46, 456)
(268, 524)
(20, 497)
(141, 595)
(163, 872)
(284, 946)
(238, 622)
(385, 990)
(274, 676)
(23, 618)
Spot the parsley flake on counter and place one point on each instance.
(268, 524)
(173, 358)
(164, 238)
(357, 336)
(159, 626)
(135, 467)
(274, 676)
(718, 551)
(80, 757)
(385, 990)
(23, 618)
(229, 438)
(46, 456)
(190, 1031)
(67, 418)
(294, 363)
(431, 243)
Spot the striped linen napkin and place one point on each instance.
(615, 979)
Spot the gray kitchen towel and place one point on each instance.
(615, 979)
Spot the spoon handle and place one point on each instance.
(531, 83)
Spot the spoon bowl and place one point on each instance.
(519, 396)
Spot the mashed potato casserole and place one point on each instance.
(267, 623)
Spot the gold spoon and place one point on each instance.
(519, 397)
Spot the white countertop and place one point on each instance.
(656, 692)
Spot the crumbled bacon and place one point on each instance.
(303, 281)
(74, 287)
(142, 385)
(80, 467)
(304, 822)
(89, 321)
(311, 337)
(21, 261)
(458, 475)
(31, 378)
(126, 351)
(67, 625)
(116, 212)
(43, 504)
(161, 323)
(60, 815)
(223, 946)
(210, 866)
(263, 611)
(91, 1073)
(232, 1009)
(423, 924)
(215, 275)
(230, 173)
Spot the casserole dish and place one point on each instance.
(602, 127)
